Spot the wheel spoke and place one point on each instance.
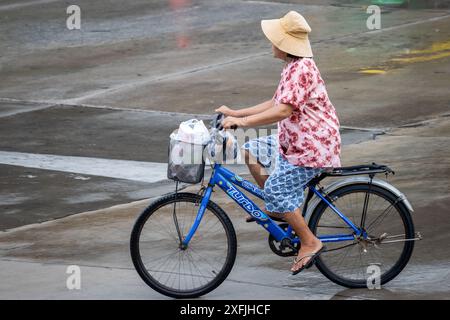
(176, 270)
(347, 264)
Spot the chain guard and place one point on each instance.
(284, 248)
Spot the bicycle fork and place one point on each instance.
(198, 218)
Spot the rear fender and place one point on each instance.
(358, 180)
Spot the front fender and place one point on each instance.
(356, 180)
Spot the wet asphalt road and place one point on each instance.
(116, 88)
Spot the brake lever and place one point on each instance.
(233, 127)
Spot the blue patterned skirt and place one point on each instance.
(284, 189)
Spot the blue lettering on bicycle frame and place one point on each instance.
(248, 186)
(239, 198)
(252, 188)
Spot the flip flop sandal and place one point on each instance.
(311, 261)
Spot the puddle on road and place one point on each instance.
(353, 136)
(412, 4)
(9, 199)
(415, 281)
(436, 51)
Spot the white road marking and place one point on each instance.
(119, 169)
(26, 107)
(148, 80)
(62, 103)
(13, 6)
(409, 24)
(59, 103)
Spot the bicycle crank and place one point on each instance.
(285, 247)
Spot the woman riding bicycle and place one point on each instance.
(308, 139)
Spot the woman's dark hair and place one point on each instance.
(292, 56)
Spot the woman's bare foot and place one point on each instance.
(304, 255)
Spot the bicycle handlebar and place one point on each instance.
(217, 119)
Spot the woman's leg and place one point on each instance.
(259, 174)
(284, 193)
(309, 242)
(257, 171)
(259, 154)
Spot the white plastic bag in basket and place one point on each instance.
(192, 131)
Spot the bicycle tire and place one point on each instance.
(407, 223)
(136, 256)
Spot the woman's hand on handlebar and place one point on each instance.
(226, 111)
(233, 122)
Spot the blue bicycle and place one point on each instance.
(184, 245)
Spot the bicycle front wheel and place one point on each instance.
(383, 253)
(174, 270)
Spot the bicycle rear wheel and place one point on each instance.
(347, 263)
(168, 267)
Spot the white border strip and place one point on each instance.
(118, 169)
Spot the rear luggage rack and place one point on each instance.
(360, 169)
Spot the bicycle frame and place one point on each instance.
(228, 181)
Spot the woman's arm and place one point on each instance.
(269, 116)
(246, 111)
(254, 110)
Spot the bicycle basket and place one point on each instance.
(186, 162)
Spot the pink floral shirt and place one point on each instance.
(310, 136)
